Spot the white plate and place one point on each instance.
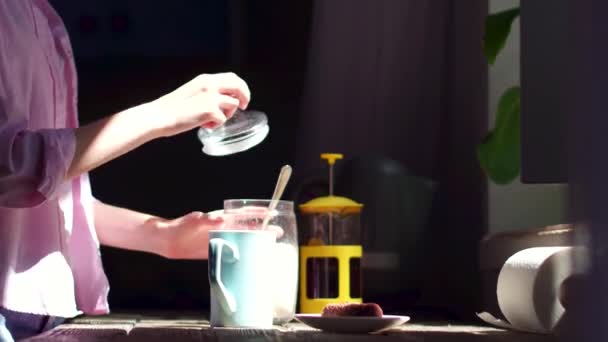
(351, 324)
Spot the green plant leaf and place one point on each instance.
(497, 29)
(499, 152)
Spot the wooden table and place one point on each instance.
(190, 327)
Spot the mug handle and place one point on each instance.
(216, 246)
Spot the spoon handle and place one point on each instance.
(278, 192)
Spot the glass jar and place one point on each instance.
(285, 266)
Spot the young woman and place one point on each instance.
(50, 223)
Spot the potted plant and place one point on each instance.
(499, 151)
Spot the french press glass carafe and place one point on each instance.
(330, 249)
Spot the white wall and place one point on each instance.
(517, 206)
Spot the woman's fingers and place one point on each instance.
(228, 105)
(234, 86)
(213, 118)
(278, 230)
(240, 93)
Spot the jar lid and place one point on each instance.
(331, 204)
(244, 130)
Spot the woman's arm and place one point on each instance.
(182, 238)
(128, 229)
(34, 163)
(111, 137)
(208, 100)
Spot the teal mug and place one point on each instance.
(240, 278)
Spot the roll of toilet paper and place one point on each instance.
(529, 285)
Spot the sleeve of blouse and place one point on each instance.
(33, 164)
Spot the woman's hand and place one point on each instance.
(186, 237)
(208, 101)
(246, 218)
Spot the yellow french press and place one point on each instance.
(330, 249)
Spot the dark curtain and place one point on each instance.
(406, 80)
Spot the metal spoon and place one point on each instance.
(278, 192)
